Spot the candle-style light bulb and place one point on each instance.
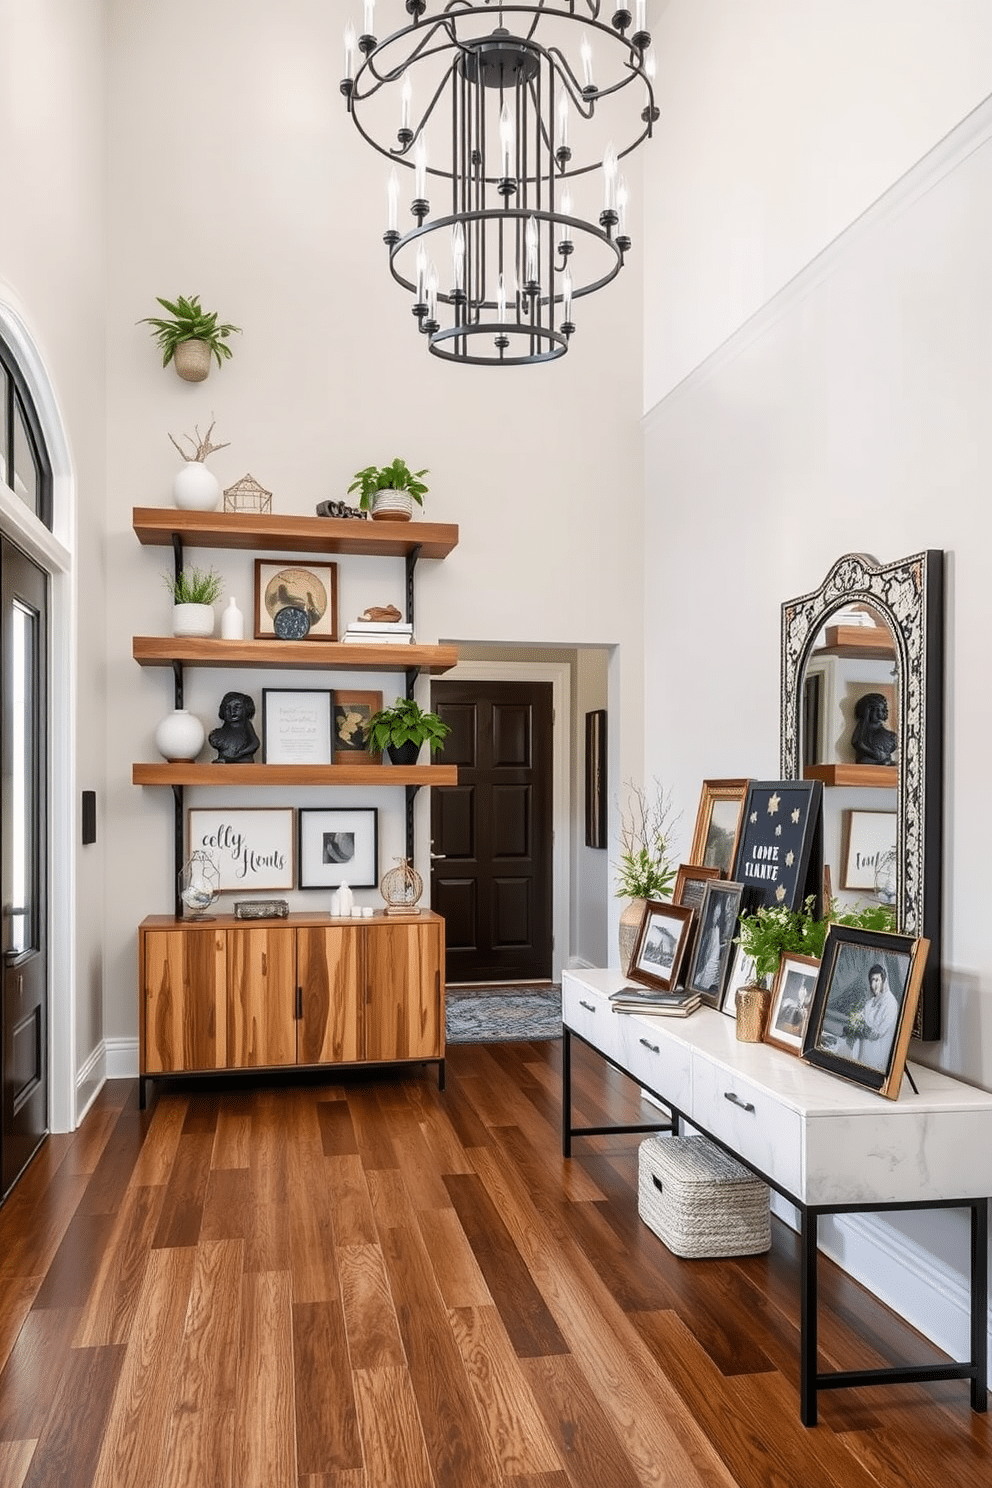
(563, 120)
(650, 63)
(585, 51)
(610, 179)
(369, 17)
(501, 299)
(350, 42)
(566, 211)
(640, 7)
(458, 257)
(430, 286)
(622, 199)
(566, 297)
(506, 141)
(420, 169)
(392, 200)
(406, 100)
(421, 275)
(533, 244)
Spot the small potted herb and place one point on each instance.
(190, 336)
(402, 729)
(194, 592)
(765, 936)
(389, 491)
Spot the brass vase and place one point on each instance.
(753, 1006)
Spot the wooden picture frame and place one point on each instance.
(351, 714)
(298, 586)
(296, 725)
(792, 998)
(596, 778)
(661, 944)
(718, 824)
(339, 845)
(779, 859)
(251, 845)
(690, 884)
(866, 838)
(861, 1018)
(716, 929)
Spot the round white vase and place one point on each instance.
(232, 622)
(195, 488)
(192, 620)
(180, 735)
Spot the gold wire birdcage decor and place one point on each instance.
(246, 495)
(401, 888)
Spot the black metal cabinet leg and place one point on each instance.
(979, 1303)
(440, 1074)
(807, 1319)
(566, 1092)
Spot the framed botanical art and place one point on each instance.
(352, 711)
(792, 997)
(251, 845)
(718, 822)
(339, 845)
(660, 946)
(296, 725)
(861, 1017)
(779, 856)
(714, 940)
(296, 601)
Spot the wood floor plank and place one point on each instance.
(68, 1446)
(232, 1137)
(396, 1454)
(226, 1204)
(35, 1232)
(423, 1181)
(31, 1376)
(121, 1152)
(326, 1419)
(352, 1219)
(351, 1479)
(369, 1317)
(309, 1207)
(264, 1421)
(16, 1297)
(15, 1459)
(69, 1277)
(372, 1136)
(459, 1275)
(158, 1153)
(182, 1203)
(506, 1403)
(111, 1306)
(337, 1131)
(583, 1434)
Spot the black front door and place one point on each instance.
(23, 862)
(491, 833)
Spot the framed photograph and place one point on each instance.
(661, 943)
(864, 1003)
(792, 997)
(296, 602)
(690, 884)
(780, 850)
(714, 940)
(251, 845)
(352, 711)
(868, 837)
(596, 778)
(740, 974)
(339, 845)
(718, 823)
(296, 726)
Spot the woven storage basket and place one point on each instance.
(699, 1201)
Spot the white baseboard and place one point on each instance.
(122, 1058)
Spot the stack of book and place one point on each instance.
(379, 632)
(678, 1004)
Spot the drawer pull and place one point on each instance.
(735, 1100)
(655, 1049)
(587, 1005)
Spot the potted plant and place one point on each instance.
(764, 936)
(195, 488)
(194, 592)
(645, 870)
(389, 491)
(403, 728)
(190, 336)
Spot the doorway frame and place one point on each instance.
(559, 675)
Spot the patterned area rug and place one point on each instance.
(495, 1015)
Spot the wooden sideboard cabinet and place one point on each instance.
(306, 991)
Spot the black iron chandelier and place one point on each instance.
(513, 121)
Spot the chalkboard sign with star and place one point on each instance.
(780, 852)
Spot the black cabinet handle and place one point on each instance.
(735, 1100)
(587, 1005)
(655, 1048)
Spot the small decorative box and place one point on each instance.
(701, 1201)
(261, 909)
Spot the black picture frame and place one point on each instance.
(596, 778)
(337, 845)
(779, 858)
(715, 933)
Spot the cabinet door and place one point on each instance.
(403, 992)
(261, 1004)
(328, 963)
(184, 988)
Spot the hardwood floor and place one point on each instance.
(374, 1284)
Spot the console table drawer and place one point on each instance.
(651, 1055)
(590, 1015)
(749, 1120)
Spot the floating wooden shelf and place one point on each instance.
(286, 775)
(155, 525)
(203, 651)
(865, 642)
(874, 775)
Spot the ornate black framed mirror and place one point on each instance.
(863, 711)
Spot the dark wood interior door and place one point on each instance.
(23, 863)
(491, 833)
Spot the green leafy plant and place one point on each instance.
(188, 321)
(194, 586)
(395, 477)
(406, 723)
(645, 870)
(772, 930)
(867, 916)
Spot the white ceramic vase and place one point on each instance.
(195, 488)
(392, 506)
(232, 622)
(192, 620)
(180, 735)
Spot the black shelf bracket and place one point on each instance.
(411, 796)
(177, 797)
(411, 564)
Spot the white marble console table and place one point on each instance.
(826, 1145)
